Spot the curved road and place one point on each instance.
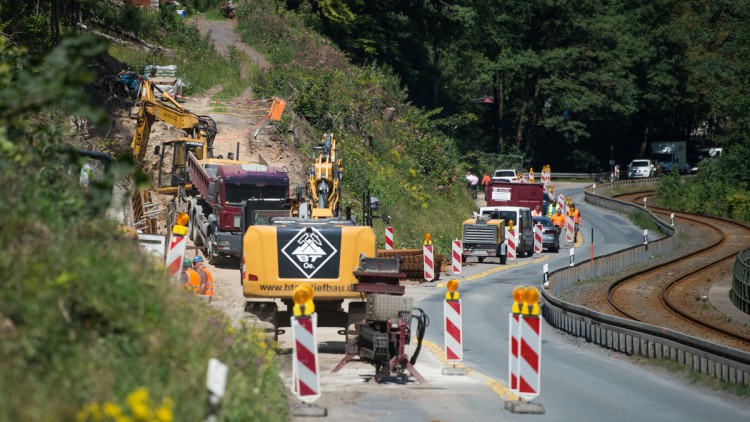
(579, 381)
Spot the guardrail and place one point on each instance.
(597, 177)
(740, 293)
(631, 337)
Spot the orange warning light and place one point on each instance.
(518, 295)
(182, 219)
(428, 239)
(531, 301)
(452, 286)
(302, 294)
(303, 301)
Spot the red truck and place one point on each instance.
(515, 194)
(219, 193)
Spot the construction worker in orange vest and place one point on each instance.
(575, 214)
(558, 220)
(207, 281)
(486, 184)
(191, 278)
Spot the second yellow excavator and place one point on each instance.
(200, 132)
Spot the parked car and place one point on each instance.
(550, 235)
(505, 175)
(641, 168)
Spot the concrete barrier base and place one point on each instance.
(524, 407)
(304, 409)
(453, 370)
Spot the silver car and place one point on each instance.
(550, 235)
(641, 168)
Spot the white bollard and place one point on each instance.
(572, 257)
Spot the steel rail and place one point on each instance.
(664, 292)
(625, 335)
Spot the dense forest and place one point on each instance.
(569, 83)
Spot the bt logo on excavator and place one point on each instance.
(309, 251)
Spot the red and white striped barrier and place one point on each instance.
(457, 252)
(530, 356)
(454, 349)
(389, 238)
(513, 333)
(561, 201)
(538, 238)
(175, 255)
(429, 263)
(305, 366)
(512, 239)
(569, 229)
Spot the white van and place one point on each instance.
(521, 217)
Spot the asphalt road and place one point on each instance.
(578, 381)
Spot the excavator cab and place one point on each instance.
(173, 163)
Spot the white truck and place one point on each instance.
(671, 156)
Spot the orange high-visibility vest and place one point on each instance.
(576, 216)
(193, 281)
(207, 282)
(558, 220)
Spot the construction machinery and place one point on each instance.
(323, 186)
(316, 245)
(200, 132)
(218, 195)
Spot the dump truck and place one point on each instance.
(515, 194)
(219, 193)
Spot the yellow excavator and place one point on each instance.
(315, 245)
(323, 186)
(200, 132)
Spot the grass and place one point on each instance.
(625, 189)
(698, 378)
(643, 221)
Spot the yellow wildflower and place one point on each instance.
(164, 412)
(111, 409)
(90, 412)
(412, 173)
(138, 403)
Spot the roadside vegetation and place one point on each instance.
(90, 328)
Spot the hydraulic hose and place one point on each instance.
(422, 322)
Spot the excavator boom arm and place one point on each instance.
(170, 112)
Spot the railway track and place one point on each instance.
(674, 294)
